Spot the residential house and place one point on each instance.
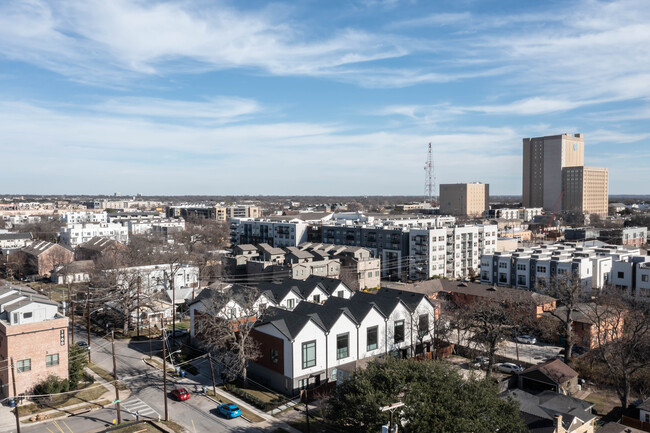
(528, 304)
(98, 247)
(12, 241)
(73, 272)
(552, 375)
(550, 412)
(42, 257)
(585, 326)
(34, 335)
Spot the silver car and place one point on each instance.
(508, 367)
(526, 339)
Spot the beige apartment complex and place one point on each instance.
(464, 199)
(544, 159)
(586, 190)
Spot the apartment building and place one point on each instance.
(419, 252)
(543, 161)
(524, 214)
(214, 212)
(586, 190)
(285, 233)
(470, 200)
(80, 217)
(632, 273)
(73, 235)
(528, 267)
(34, 335)
(12, 241)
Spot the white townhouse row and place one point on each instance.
(324, 339)
(528, 267)
(74, 235)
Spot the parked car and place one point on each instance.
(509, 368)
(229, 410)
(181, 394)
(575, 351)
(480, 362)
(83, 345)
(526, 339)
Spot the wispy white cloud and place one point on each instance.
(217, 109)
(97, 40)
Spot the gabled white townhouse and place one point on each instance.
(212, 301)
(315, 343)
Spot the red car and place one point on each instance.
(181, 394)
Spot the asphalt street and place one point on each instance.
(198, 414)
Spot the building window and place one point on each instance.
(503, 265)
(369, 274)
(290, 304)
(317, 299)
(275, 356)
(372, 338)
(423, 325)
(342, 345)
(644, 278)
(27, 315)
(339, 294)
(399, 331)
(309, 354)
(24, 365)
(51, 360)
(621, 275)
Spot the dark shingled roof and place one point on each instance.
(14, 236)
(327, 314)
(99, 244)
(557, 371)
(547, 404)
(278, 291)
(359, 310)
(287, 322)
(385, 304)
(411, 299)
(495, 292)
(329, 284)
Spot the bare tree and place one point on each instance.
(569, 292)
(489, 324)
(227, 325)
(622, 333)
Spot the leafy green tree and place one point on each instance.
(436, 397)
(77, 362)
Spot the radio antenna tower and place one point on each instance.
(429, 178)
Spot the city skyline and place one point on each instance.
(314, 99)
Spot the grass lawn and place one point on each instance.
(606, 404)
(138, 428)
(107, 376)
(89, 393)
(245, 412)
(255, 391)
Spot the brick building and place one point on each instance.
(34, 335)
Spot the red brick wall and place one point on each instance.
(268, 343)
(33, 341)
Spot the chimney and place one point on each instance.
(557, 422)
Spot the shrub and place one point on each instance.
(51, 385)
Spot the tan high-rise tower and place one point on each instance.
(544, 159)
(464, 199)
(586, 190)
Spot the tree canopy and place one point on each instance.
(436, 397)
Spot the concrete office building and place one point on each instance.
(586, 190)
(543, 161)
(464, 199)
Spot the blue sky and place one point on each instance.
(314, 97)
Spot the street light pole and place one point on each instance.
(88, 318)
(117, 390)
(165, 374)
(13, 380)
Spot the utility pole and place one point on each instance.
(117, 390)
(391, 408)
(72, 316)
(214, 384)
(138, 308)
(88, 318)
(149, 320)
(165, 374)
(13, 380)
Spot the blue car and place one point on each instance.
(229, 410)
